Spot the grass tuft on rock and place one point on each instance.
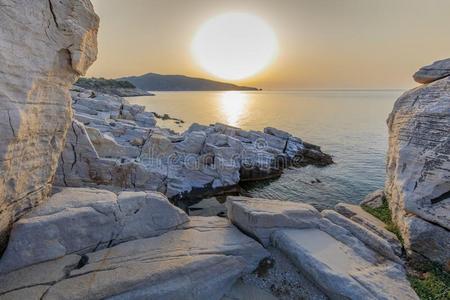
(430, 281)
(384, 214)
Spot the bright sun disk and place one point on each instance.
(234, 46)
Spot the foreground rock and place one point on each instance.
(418, 186)
(200, 262)
(84, 220)
(344, 258)
(44, 46)
(342, 270)
(433, 72)
(115, 145)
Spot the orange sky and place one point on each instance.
(322, 43)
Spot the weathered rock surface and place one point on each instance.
(374, 199)
(344, 258)
(372, 240)
(44, 46)
(118, 146)
(84, 220)
(200, 260)
(418, 178)
(437, 70)
(260, 217)
(342, 270)
(360, 216)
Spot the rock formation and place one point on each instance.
(91, 244)
(138, 246)
(85, 220)
(433, 72)
(418, 167)
(346, 259)
(45, 45)
(116, 145)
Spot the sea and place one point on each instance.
(348, 124)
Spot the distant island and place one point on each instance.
(158, 82)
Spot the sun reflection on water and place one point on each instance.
(233, 105)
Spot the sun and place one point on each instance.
(234, 46)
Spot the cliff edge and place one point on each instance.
(418, 166)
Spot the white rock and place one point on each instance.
(193, 142)
(260, 217)
(360, 216)
(84, 220)
(157, 146)
(201, 162)
(38, 275)
(418, 166)
(277, 132)
(340, 271)
(372, 240)
(201, 260)
(44, 46)
(106, 146)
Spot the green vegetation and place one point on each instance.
(428, 279)
(384, 214)
(99, 83)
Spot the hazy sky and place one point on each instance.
(322, 43)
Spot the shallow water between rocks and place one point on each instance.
(348, 124)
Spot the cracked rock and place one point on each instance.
(85, 220)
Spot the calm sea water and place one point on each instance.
(349, 125)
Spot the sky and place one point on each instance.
(323, 44)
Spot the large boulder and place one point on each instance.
(437, 70)
(85, 220)
(418, 169)
(44, 45)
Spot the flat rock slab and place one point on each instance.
(83, 220)
(201, 260)
(260, 217)
(340, 271)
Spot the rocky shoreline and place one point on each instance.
(86, 208)
(115, 145)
